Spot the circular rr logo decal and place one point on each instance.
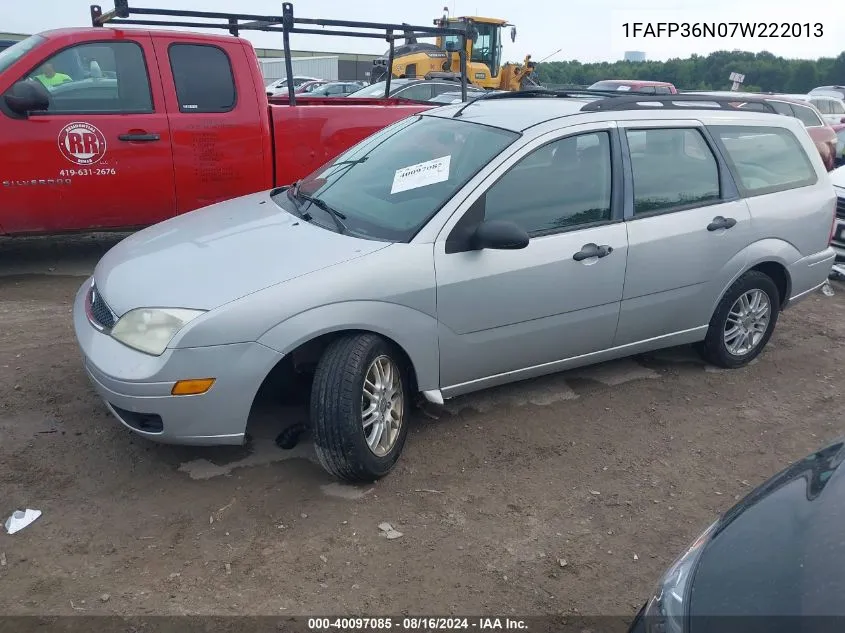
(82, 143)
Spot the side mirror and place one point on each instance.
(842, 120)
(499, 235)
(27, 96)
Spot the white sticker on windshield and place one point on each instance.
(421, 174)
(623, 88)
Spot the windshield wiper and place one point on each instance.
(337, 216)
(293, 194)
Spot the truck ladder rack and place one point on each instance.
(285, 24)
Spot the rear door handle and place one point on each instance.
(721, 223)
(592, 250)
(139, 137)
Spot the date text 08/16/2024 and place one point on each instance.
(415, 624)
(723, 29)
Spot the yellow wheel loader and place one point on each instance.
(441, 60)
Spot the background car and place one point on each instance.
(840, 143)
(335, 89)
(776, 556)
(281, 85)
(831, 108)
(834, 91)
(837, 241)
(636, 85)
(413, 89)
(308, 86)
(457, 97)
(800, 108)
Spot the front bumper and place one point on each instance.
(136, 387)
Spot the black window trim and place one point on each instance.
(43, 60)
(179, 108)
(475, 213)
(728, 191)
(747, 193)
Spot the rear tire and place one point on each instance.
(743, 322)
(359, 406)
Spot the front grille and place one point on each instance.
(100, 311)
(840, 208)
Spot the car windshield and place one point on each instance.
(12, 54)
(390, 184)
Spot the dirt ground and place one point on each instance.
(613, 468)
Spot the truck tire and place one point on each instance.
(359, 407)
(743, 322)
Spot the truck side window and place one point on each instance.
(96, 78)
(203, 77)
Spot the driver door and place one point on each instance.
(510, 314)
(100, 156)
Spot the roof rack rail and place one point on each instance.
(539, 92)
(285, 24)
(677, 102)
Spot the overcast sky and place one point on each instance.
(592, 33)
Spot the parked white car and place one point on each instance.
(831, 108)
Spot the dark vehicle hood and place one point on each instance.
(780, 551)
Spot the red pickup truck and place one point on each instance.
(116, 128)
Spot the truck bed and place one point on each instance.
(317, 129)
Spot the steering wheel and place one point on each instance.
(483, 52)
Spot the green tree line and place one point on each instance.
(763, 72)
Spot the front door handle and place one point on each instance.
(592, 250)
(139, 137)
(721, 223)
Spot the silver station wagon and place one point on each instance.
(470, 246)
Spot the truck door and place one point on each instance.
(219, 120)
(99, 156)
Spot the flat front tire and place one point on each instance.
(359, 405)
(743, 322)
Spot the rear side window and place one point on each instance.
(674, 169)
(836, 107)
(203, 78)
(807, 115)
(822, 105)
(782, 107)
(765, 159)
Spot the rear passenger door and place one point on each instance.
(219, 125)
(686, 229)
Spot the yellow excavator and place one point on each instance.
(420, 60)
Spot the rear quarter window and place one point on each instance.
(765, 159)
(807, 115)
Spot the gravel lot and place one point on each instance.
(613, 468)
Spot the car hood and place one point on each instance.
(837, 177)
(780, 551)
(211, 256)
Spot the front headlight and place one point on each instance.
(666, 611)
(150, 330)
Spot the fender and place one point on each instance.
(414, 331)
(763, 251)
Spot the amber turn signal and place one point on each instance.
(192, 387)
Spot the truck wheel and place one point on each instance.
(359, 404)
(743, 321)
